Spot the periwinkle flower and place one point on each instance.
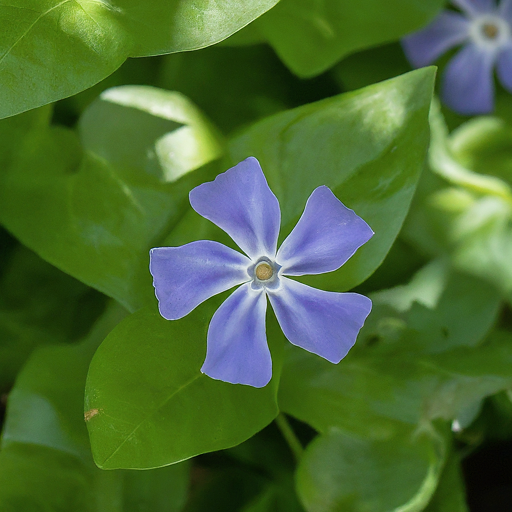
(485, 31)
(241, 203)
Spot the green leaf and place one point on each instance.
(394, 474)
(244, 84)
(450, 494)
(311, 35)
(39, 305)
(484, 144)
(108, 202)
(55, 48)
(365, 394)
(368, 146)
(471, 221)
(440, 309)
(45, 459)
(152, 404)
(371, 66)
(444, 162)
(224, 489)
(275, 497)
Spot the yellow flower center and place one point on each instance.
(264, 271)
(490, 30)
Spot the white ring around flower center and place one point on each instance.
(490, 32)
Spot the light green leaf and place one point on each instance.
(471, 221)
(174, 138)
(450, 494)
(444, 162)
(51, 49)
(311, 35)
(440, 309)
(425, 288)
(395, 474)
(373, 388)
(368, 146)
(484, 144)
(152, 404)
(108, 202)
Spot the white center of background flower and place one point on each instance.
(490, 32)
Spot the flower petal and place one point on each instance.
(237, 345)
(504, 67)
(241, 203)
(468, 86)
(185, 276)
(475, 7)
(326, 236)
(424, 47)
(505, 10)
(325, 323)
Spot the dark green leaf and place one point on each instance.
(45, 459)
(39, 305)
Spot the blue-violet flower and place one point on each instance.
(241, 203)
(485, 31)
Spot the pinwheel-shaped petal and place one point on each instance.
(241, 203)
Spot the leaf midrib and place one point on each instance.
(167, 399)
(42, 15)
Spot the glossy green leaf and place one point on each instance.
(395, 474)
(152, 404)
(51, 49)
(311, 35)
(367, 146)
(373, 388)
(108, 201)
(45, 459)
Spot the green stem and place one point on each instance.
(290, 437)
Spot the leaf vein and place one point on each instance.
(42, 15)
(131, 434)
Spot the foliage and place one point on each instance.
(97, 159)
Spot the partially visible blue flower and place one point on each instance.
(241, 203)
(485, 31)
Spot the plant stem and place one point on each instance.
(289, 436)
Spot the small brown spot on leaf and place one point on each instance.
(88, 415)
